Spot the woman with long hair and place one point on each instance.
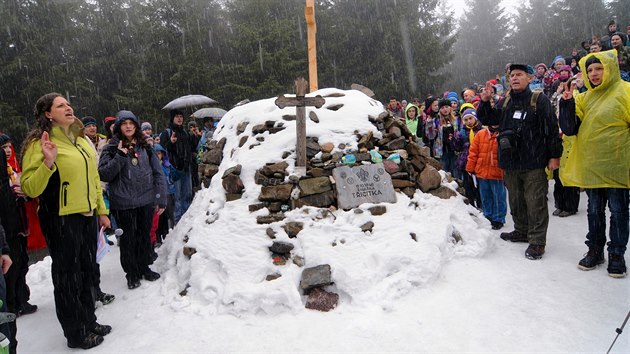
(59, 167)
(136, 188)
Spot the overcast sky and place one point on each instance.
(459, 6)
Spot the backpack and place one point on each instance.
(532, 101)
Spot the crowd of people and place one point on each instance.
(506, 135)
(569, 121)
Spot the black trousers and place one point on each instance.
(565, 198)
(72, 246)
(135, 243)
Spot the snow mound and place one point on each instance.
(406, 248)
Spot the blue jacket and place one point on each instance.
(132, 186)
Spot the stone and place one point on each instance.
(363, 184)
(363, 156)
(298, 261)
(280, 193)
(258, 129)
(327, 147)
(363, 89)
(402, 183)
(275, 207)
(367, 226)
(214, 156)
(394, 132)
(400, 175)
(443, 192)
(417, 163)
(293, 228)
(289, 117)
(232, 196)
(313, 116)
(413, 236)
(278, 259)
(221, 143)
(269, 219)
(429, 179)
(271, 277)
(260, 178)
(233, 170)
(396, 144)
(275, 130)
(210, 170)
(189, 251)
(414, 149)
(321, 300)
(391, 167)
(456, 236)
(341, 146)
(316, 185)
(402, 152)
(242, 140)
(322, 200)
(240, 128)
(312, 148)
(279, 167)
(366, 141)
(378, 210)
(281, 247)
(271, 233)
(409, 191)
(233, 184)
(315, 277)
(335, 107)
(317, 172)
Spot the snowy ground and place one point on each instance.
(496, 302)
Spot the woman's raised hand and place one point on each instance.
(49, 149)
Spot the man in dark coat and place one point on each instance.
(180, 148)
(529, 141)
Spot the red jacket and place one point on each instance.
(483, 156)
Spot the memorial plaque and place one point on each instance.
(363, 184)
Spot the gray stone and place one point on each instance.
(271, 277)
(275, 207)
(271, 233)
(289, 117)
(363, 184)
(255, 207)
(321, 300)
(396, 144)
(275, 193)
(279, 167)
(213, 156)
(298, 261)
(413, 236)
(258, 129)
(315, 277)
(233, 170)
(443, 192)
(400, 175)
(286, 154)
(243, 140)
(316, 185)
(429, 179)
(293, 228)
(276, 129)
(313, 116)
(281, 247)
(335, 107)
(260, 138)
(363, 156)
(367, 226)
(241, 127)
(378, 210)
(312, 148)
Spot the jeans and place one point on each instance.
(493, 199)
(618, 200)
(527, 195)
(183, 195)
(448, 161)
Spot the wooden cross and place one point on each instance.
(300, 102)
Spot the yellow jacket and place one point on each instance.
(600, 156)
(77, 188)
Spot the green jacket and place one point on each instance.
(72, 185)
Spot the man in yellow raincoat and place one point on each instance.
(600, 158)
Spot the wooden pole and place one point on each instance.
(309, 13)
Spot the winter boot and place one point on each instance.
(593, 258)
(534, 252)
(101, 330)
(556, 212)
(150, 275)
(91, 340)
(514, 236)
(105, 298)
(496, 225)
(133, 282)
(616, 265)
(26, 309)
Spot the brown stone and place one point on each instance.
(255, 207)
(258, 129)
(271, 277)
(327, 147)
(396, 144)
(232, 196)
(241, 127)
(271, 233)
(317, 172)
(409, 191)
(233, 184)
(367, 226)
(289, 117)
(280, 193)
(243, 140)
(269, 219)
(210, 170)
(275, 207)
(293, 228)
(316, 185)
(322, 200)
(189, 251)
(321, 300)
(363, 156)
(279, 167)
(429, 179)
(402, 183)
(236, 170)
(378, 210)
(313, 116)
(417, 163)
(443, 192)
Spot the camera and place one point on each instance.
(508, 140)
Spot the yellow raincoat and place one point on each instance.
(600, 157)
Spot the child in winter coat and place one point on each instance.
(467, 134)
(483, 163)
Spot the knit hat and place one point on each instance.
(444, 102)
(565, 68)
(122, 116)
(541, 64)
(146, 126)
(466, 106)
(191, 124)
(87, 120)
(4, 139)
(469, 112)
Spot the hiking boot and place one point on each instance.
(593, 258)
(564, 214)
(105, 298)
(535, 252)
(514, 236)
(151, 275)
(616, 265)
(101, 330)
(496, 225)
(27, 309)
(556, 212)
(91, 340)
(133, 282)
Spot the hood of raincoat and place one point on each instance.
(611, 69)
(409, 105)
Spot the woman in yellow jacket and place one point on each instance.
(600, 158)
(59, 167)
